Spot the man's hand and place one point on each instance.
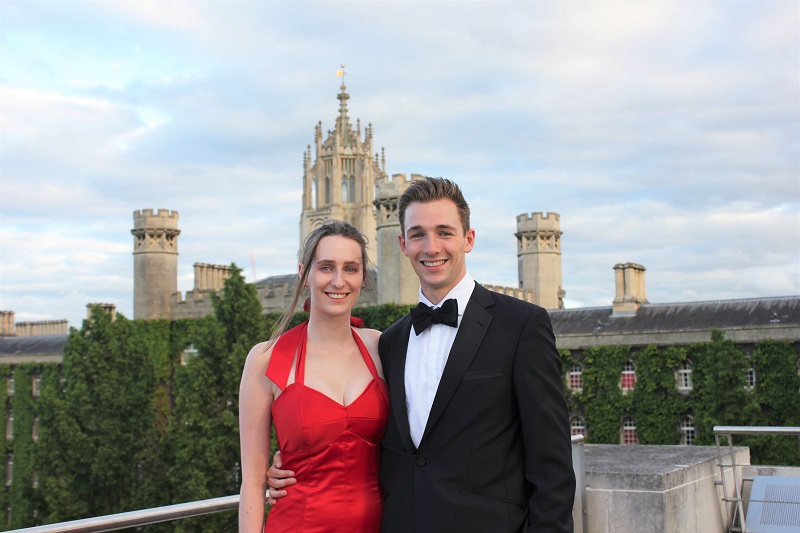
(278, 479)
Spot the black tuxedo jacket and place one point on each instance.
(495, 455)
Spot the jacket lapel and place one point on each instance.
(471, 331)
(397, 390)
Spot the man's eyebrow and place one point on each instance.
(439, 226)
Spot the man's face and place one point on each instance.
(436, 244)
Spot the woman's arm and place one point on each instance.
(256, 394)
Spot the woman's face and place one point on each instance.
(336, 275)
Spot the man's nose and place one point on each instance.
(432, 245)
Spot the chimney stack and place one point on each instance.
(630, 293)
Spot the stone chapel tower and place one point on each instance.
(539, 257)
(339, 182)
(155, 263)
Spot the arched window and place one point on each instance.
(629, 431)
(687, 431)
(345, 190)
(577, 427)
(327, 190)
(314, 193)
(575, 381)
(628, 376)
(750, 382)
(36, 386)
(685, 376)
(352, 189)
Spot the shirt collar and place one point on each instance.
(461, 292)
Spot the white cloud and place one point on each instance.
(666, 133)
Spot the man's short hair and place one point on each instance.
(429, 189)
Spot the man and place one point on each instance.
(478, 436)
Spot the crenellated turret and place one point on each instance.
(539, 257)
(397, 282)
(155, 262)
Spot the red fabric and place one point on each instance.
(334, 450)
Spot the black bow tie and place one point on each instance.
(423, 316)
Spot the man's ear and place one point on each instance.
(470, 237)
(402, 242)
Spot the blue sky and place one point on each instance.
(666, 133)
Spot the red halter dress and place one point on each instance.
(333, 449)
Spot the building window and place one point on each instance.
(36, 387)
(687, 431)
(352, 189)
(685, 376)
(10, 385)
(628, 377)
(327, 190)
(345, 190)
(190, 352)
(577, 426)
(575, 382)
(9, 425)
(629, 431)
(314, 193)
(9, 469)
(35, 431)
(750, 380)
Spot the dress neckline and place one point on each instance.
(299, 373)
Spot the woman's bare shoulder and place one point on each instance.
(370, 339)
(369, 336)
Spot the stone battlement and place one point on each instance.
(395, 186)
(526, 295)
(158, 218)
(538, 222)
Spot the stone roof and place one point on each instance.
(746, 320)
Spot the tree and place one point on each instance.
(206, 433)
(95, 422)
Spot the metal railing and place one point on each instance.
(737, 510)
(579, 516)
(143, 517)
(178, 511)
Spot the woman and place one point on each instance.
(321, 384)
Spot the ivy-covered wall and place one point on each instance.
(719, 394)
(143, 414)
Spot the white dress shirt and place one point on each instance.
(426, 357)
